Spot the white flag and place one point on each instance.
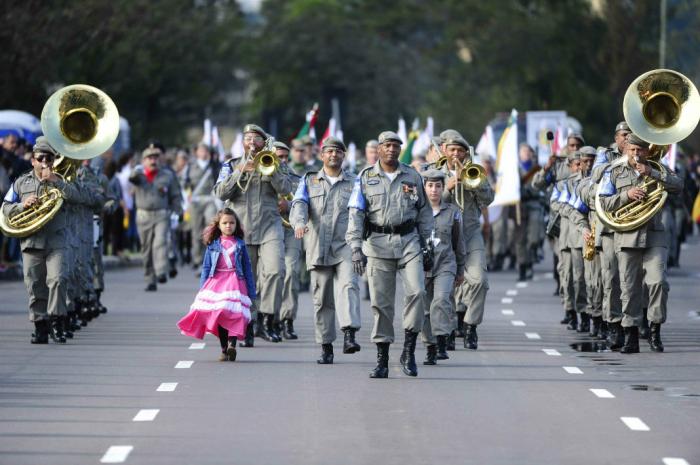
(351, 158)
(507, 173)
(403, 135)
(237, 148)
(207, 135)
(486, 148)
(217, 144)
(422, 144)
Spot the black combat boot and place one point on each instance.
(567, 317)
(67, 331)
(326, 355)
(430, 355)
(573, 321)
(408, 356)
(382, 368)
(102, 308)
(349, 344)
(597, 322)
(603, 333)
(585, 325)
(616, 337)
(471, 339)
(267, 331)
(258, 326)
(459, 332)
(151, 287)
(162, 279)
(655, 343)
(57, 330)
(249, 340)
(288, 329)
(442, 347)
(41, 332)
(231, 348)
(644, 329)
(522, 272)
(631, 341)
(450, 341)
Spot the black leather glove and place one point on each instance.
(359, 261)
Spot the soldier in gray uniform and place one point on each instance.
(471, 295)
(448, 268)
(527, 234)
(44, 252)
(157, 194)
(390, 223)
(287, 310)
(642, 253)
(254, 197)
(202, 173)
(320, 216)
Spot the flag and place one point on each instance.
(670, 158)
(330, 131)
(407, 153)
(351, 158)
(559, 142)
(216, 143)
(486, 148)
(207, 135)
(308, 129)
(237, 148)
(507, 173)
(401, 132)
(423, 142)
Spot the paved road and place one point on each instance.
(511, 402)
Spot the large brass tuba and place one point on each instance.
(80, 122)
(662, 107)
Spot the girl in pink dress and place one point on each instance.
(226, 286)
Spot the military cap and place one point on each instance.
(587, 151)
(256, 129)
(153, 148)
(433, 174)
(622, 126)
(333, 142)
(449, 134)
(307, 140)
(387, 136)
(575, 135)
(634, 139)
(278, 144)
(42, 146)
(459, 140)
(436, 140)
(575, 155)
(297, 144)
(372, 143)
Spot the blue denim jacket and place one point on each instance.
(242, 264)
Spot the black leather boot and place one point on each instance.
(408, 356)
(655, 343)
(585, 325)
(644, 329)
(231, 349)
(522, 272)
(471, 339)
(41, 332)
(382, 368)
(442, 347)
(102, 308)
(450, 341)
(631, 341)
(603, 333)
(326, 355)
(259, 324)
(566, 319)
(57, 330)
(151, 287)
(596, 322)
(430, 355)
(67, 331)
(268, 331)
(616, 336)
(573, 321)
(288, 329)
(459, 332)
(349, 344)
(249, 340)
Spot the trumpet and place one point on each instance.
(471, 177)
(266, 162)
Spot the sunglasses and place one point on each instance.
(44, 158)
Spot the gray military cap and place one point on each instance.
(280, 145)
(575, 155)
(152, 149)
(449, 134)
(372, 143)
(634, 139)
(622, 126)
(256, 129)
(578, 136)
(587, 151)
(333, 142)
(459, 140)
(433, 174)
(42, 146)
(387, 136)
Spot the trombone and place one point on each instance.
(266, 162)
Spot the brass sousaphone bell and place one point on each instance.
(80, 122)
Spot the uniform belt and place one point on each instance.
(401, 229)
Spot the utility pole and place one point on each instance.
(662, 38)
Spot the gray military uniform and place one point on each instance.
(642, 253)
(527, 234)
(44, 252)
(257, 207)
(292, 254)
(323, 208)
(154, 203)
(389, 204)
(571, 243)
(202, 207)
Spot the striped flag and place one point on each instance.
(507, 173)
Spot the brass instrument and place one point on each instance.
(285, 218)
(80, 122)
(589, 245)
(471, 176)
(662, 107)
(266, 162)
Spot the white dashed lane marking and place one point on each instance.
(552, 352)
(146, 415)
(573, 370)
(507, 300)
(166, 387)
(511, 292)
(507, 312)
(197, 345)
(116, 454)
(634, 423)
(184, 364)
(675, 461)
(517, 323)
(521, 285)
(602, 393)
(532, 336)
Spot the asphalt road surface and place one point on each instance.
(130, 389)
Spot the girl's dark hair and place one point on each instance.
(212, 231)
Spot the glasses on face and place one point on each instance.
(44, 158)
(252, 138)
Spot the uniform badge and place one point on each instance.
(411, 191)
(372, 182)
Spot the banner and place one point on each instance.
(507, 172)
(538, 123)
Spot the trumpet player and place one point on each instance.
(254, 197)
(642, 252)
(44, 251)
(471, 295)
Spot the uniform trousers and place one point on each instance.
(381, 277)
(267, 263)
(594, 286)
(472, 294)
(527, 235)
(439, 314)
(45, 275)
(336, 294)
(291, 284)
(200, 214)
(643, 266)
(610, 275)
(153, 227)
